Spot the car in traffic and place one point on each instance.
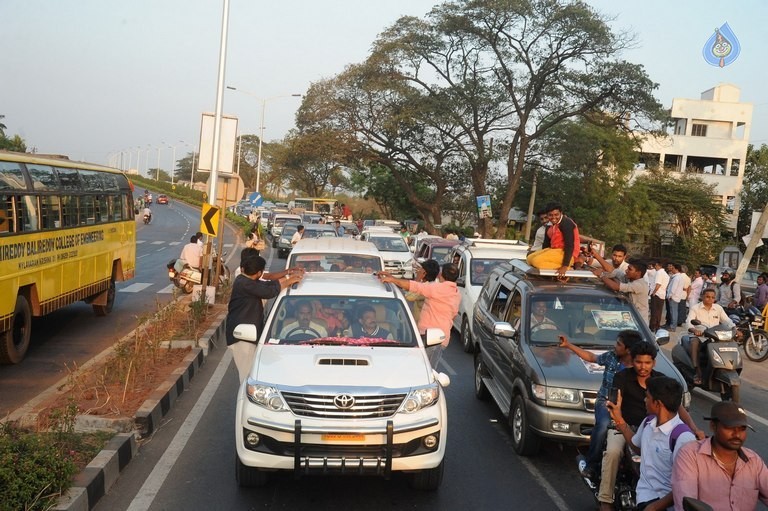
(436, 248)
(548, 392)
(276, 226)
(319, 231)
(284, 245)
(397, 256)
(476, 258)
(323, 398)
(336, 254)
(162, 199)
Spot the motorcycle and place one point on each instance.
(719, 360)
(624, 496)
(147, 219)
(751, 335)
(188, 277)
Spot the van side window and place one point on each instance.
(499, 302)
(514, 311)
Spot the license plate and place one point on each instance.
(333, 437)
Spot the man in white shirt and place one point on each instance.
(709, 314)
(694, 291)
(538, 239)
(686, 287)
(304, 327)
(192, 253)
(297, 235)
(658, 295)
(675, 294)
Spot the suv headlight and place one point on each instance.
(422, 397)
(265, 396)
(556, 394)
(285, 241)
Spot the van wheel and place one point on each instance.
(481, 391)
(15, 341)
(103, 310)
(524, 441)
(430, 479)
(466, 336)
(249, 477)
(188, 287)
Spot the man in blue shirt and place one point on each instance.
(612, 362)
(338, 228)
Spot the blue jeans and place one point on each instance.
(599, 433)
(673, 307)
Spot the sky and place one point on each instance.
(95, 78)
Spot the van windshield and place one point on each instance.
(357, 321)
(336, 262)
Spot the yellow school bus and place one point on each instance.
(67, 233)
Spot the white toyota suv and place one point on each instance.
(341, 384)
(476, 259)
(398, 259)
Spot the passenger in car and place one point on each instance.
(367, 326)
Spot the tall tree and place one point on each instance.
(556, 60)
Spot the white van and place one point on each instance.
(336, 254)
(397, 256)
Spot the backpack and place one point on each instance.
(674, 435)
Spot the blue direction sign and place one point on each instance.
(255, 199)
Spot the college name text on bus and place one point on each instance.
(67, 233)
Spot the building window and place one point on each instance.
(699, 130)
(735, 164)
(730, 203)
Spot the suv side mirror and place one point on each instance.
(662, 336)
(435, 336)
(504, 329)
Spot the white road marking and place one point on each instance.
(167, 289)
(716, 399)
(154, 482)
(139, 242)
(135, 287)
(173, 243)
(157, 242)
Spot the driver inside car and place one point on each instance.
(303, 327)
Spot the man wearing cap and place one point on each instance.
(719, 470)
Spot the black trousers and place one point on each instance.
(657, 307)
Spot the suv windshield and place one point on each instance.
(345, 321)
(390, 244)
(585, 320)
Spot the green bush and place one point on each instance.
(34, 471)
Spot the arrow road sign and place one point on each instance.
(210, 219)
(255, 199)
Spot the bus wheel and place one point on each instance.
(103, 310)
(15, 341)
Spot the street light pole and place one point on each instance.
(157, 170)
(261, 125)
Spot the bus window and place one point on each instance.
(28, 213)
(50, 212)
(6, 214)
(91, 180)
(102, 209)
(68, 211)
(69, 178)
(87, 210)
(11, 176)
(116, 208)
(43, 177)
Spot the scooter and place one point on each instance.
(752, 337)
(719, 360)
(624, 496)
(147, 219)
(188, 277)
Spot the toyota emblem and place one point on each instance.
(344, 401)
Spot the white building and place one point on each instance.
(709, 137)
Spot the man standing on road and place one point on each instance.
(246, 306)
(631, 384)
(658, 295)
(719, 470)
(761, 293)
(728, 292)
(338, 228)
(441, 304)
(636, 287)
(659, 439)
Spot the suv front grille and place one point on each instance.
(323, 406)
(589, 397)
